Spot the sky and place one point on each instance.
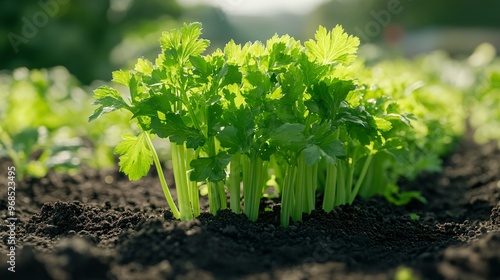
(259, 7)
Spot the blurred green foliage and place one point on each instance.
(43, 123)
(485, 96)
(461, 13)
(355, 15)
(81, 35)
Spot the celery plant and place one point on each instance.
(176, 98)
(298, 109)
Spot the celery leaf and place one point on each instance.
(334, 46)
(109, 100)
(211, 168)
(135, 156)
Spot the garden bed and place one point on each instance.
(98, 225)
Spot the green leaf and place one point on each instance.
(359, 123)
(404, 119)
(133, 86)
(109, 100)
(180, 45)
(214, 112)
(158, 76)
(290, 136)
(324, 145)
(135, 156)
(229, 74)
(174, 128)
(332, 149)
(414, 216)
(230, 137)
(238, 131)
(334, 46)
(200, 64)
(121, 77)
(152, 105)
(144, 66)
(211, 169)
(292, 85)
(383, 124)
(327, 97)
(261, 83)
(312, 72)
(283, 51)
(191, 43)
(312, 154)
(234, 53)
(398, 198)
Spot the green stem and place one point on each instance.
(321, 175)
(213, 197)
(340, 194)
(311, 185)
(178, 152)
(365, 189)
(216, 194)
(247, 182)
(253, 179)
(278, 173)
(193, 191)
(330, 187)
(163, 182)
(260, 182)
(361, 177)
(349, 172)
(222, 195)
(300, 190)
(234, 183)
(287, 195)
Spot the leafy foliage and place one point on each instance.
(135, 156)
(41, 124)
(309, 115)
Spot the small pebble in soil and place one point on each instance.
(471, 233)
(230, 230)
(107, 205)
(49, 229)
(167, 215)
(108, 179)
(426, 256)
(483, 230)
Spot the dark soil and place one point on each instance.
(80, 227)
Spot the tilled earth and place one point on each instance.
(98, 225)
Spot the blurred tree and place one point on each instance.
(369, 19)
(459, 13)
(78, 34)
(352, 15)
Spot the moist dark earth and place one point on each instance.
(98, 225)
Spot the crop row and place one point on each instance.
(307, 116)
(308, 122)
